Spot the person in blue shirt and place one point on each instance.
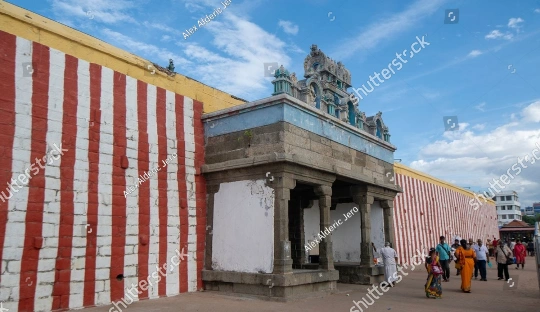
(445, 257)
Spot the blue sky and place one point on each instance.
(484, 69)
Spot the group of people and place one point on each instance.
(470, 259)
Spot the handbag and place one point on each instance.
(436, 270)
(508, 259)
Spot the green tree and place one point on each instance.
(530, 219)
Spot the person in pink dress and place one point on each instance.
(520, 252)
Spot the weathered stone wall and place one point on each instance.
(306, 148)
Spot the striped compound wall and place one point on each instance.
(75, 138)
(429, 208)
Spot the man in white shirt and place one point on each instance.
(482, 255)
(389, 256)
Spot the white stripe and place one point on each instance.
(189, 135)
(153, 248)
(104, 227)
(173, 215)
(132, 200)
(15, 228)
(51, 211)
(398, 208)
(80, 185)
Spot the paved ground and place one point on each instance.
(408, 295)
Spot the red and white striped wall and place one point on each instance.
(426, 210)
(70, 237)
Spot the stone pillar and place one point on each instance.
(326, 255)
(211, 191)
(388, 211)
(282, 245)
(364, 200)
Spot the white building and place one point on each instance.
(527, 211)
(508, 207)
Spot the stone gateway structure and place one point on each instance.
(285, 172)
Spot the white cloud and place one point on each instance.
(537, 11)
(159, 55)
(288, 27)
(385, 28)
(475, 53)
(109, 12)
(479, 127)
(531, 113)
(162, 27)
(472, 159)
(481, 106)
(515, 23)
(496, 34)
(243, 48)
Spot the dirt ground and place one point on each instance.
(408, 295)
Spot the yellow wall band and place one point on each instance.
(404, 170)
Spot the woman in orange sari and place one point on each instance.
(466, 258)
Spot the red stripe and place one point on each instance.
(144, 188)
(161, 119)
(182, 191)
(36, 186)
(94, 130)
(8, 45)
(200, 187)
(426, 235)
(119, 186)
(67, 166)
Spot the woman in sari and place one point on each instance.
(433, 285)
(466, 258)
(520, 253)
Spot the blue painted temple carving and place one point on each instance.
(325, 87)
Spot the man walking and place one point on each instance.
(444, 258)
(512, 244)
(503, 255)
(482, 255)
(390, 258)
(455, 246)
(530, 248)
(490, 247)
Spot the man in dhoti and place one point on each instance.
(389, 256)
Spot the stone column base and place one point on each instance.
(275, 287)
(354, 273)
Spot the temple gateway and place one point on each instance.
(299, 185)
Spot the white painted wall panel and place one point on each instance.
(243, 227)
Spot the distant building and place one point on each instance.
(508, 207)
(527, 211)
(536, 208)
